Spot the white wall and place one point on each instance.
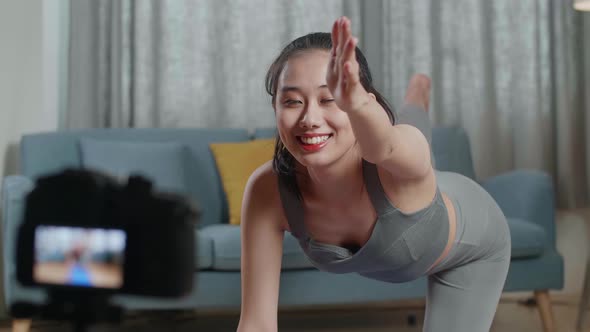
(33, 76)
(31, 72)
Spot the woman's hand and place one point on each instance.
(343, 70)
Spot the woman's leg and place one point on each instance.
(415, 109)
(465, 298)
(464, 290)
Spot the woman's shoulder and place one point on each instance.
(262, 193)
(263, 179)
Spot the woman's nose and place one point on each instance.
(311, 118)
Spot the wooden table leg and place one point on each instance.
(545, 310)
(585, 297)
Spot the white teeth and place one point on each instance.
(315, 139)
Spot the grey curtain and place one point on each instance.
(514, 74)
(571, 103)
(510, 72)
(155, 63)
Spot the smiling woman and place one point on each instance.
(355, 185)
(292, 96)
(306, 111)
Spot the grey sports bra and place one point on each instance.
(401, 247)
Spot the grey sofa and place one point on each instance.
(180, 159)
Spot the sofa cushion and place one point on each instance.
(227, 249)
(204, 255)
(161, 162)
(235, 163)
(528, 239)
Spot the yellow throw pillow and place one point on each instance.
(235, 163)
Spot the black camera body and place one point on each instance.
(84, 234)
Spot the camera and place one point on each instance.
(87, 236)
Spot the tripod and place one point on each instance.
(80, 308)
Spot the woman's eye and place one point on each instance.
(327, 101)
(291, 102)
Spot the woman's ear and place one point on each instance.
(372, 96)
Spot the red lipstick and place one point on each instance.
(313, 147)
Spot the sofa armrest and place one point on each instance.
(526, 194)
(14, 190)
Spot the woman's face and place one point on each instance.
(314, 130)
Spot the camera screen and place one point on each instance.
(76, 256)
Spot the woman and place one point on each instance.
(361, 195)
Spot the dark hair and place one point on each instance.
(283, 160)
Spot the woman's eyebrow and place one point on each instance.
(287, 88)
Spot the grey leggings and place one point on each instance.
(465, 288)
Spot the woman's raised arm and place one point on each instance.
(401, 149)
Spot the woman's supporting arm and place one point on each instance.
(262, 249)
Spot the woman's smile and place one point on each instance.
(313, 142)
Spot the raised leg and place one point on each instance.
(418, 92)
(21, 325)
(545, 310)
(415, 108)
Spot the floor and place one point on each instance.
(514, 314)
(511, 316)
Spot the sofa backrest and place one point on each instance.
(452, 151)
(450, 147)
(45, 153)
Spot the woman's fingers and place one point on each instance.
(335, 36)
(343, 59)
(342, 37)
(348, 52)
(351, 74)
(333, 65)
